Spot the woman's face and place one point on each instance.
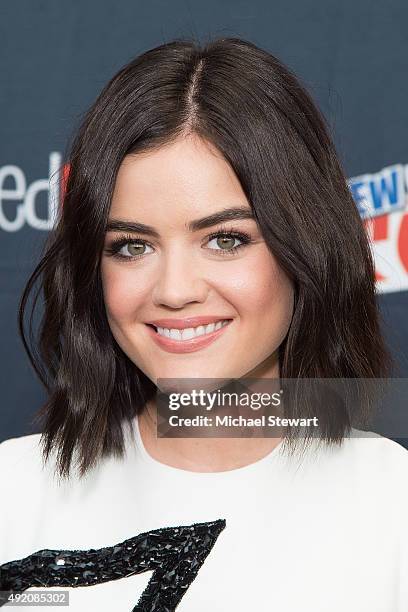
(178, 271)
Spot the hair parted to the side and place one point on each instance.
(255, 111)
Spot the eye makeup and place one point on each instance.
(116, 245)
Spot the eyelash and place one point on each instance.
(116, 245)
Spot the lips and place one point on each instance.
(187, 322)
(185, 346)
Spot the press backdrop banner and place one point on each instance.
(56, 56)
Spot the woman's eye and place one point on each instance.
(225, 242)
(133, 249)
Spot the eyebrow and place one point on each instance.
(228, 214)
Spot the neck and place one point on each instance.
(205, 454)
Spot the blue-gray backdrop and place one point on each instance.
(55, 57)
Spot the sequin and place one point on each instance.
(175, 554)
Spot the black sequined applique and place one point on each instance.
(174, 553)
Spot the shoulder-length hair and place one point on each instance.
(255, 111)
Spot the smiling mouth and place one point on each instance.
(189, 333)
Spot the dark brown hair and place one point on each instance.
(255, 111)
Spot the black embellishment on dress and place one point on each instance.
(174, 553)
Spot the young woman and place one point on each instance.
(207, 232)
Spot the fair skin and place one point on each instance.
(182, 273)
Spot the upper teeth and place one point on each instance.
(190, 332)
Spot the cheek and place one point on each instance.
(261, 290)
(123, 291)
(276, 303)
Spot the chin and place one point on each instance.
(180, 373)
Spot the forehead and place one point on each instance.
(186, 178)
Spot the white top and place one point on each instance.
(327, 534)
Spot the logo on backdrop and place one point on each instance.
(19, 201)
(381, 198)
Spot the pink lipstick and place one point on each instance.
(189, 345)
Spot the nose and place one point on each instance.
(179, 280)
